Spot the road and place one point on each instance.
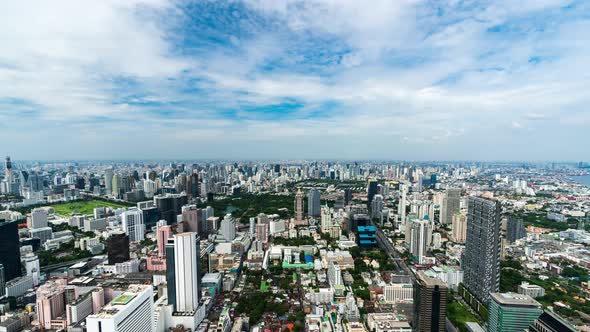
(393, 254)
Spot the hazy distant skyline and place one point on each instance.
(396, 80)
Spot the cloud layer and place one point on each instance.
(410, 79)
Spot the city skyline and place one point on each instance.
(411, 80)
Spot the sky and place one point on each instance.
(334, 79)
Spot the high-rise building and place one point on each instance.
(313, 203)
(377, 206)
(514, 230)
(419, 234)
(430, 303)
(481, 257)
(334, 275)
(183, 273)
(228, 228)
(299, 205)
(451, 205)
(372, 186)
(549, 321)
(118, 248)
(163, 233)
(9, 250)
(459, 226)
(108, 180)
(511, 312)
(347, 196)
(401, 208)
(262, 232)
(326, 219)
(8, 170)
(32, 267)
(132, 224)
(39, 218)
(133, 310)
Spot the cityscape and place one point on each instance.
(294, 166)
(347, 246)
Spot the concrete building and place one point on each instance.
(132, 224)
(131, 311)
(533, 291)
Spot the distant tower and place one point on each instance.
(299, 205)
(450, 205)
(8, 169)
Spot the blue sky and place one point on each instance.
(405, 79)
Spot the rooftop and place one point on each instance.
(514, 299)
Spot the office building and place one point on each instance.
(450, 205)
(118, 248)
(183, 272)
(514, 230)
(511, 312)
(430, 303)
(170, 205)
(481, 257)
(131, 311)
(38, 218)
(420, 234)
(132, 224)
(313, 202)
(9, 250)
(228, 228)
(299, 205)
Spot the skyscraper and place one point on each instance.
(419, 234)
(401, 207)
(183, 273)
(118, 248)
(299, 205)
(430, 303)
(450, 205)
(481, 257)
(108, 180)
(511, 312)
(372, 186)
(313, 203)
(514, 229)
(9, 250)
